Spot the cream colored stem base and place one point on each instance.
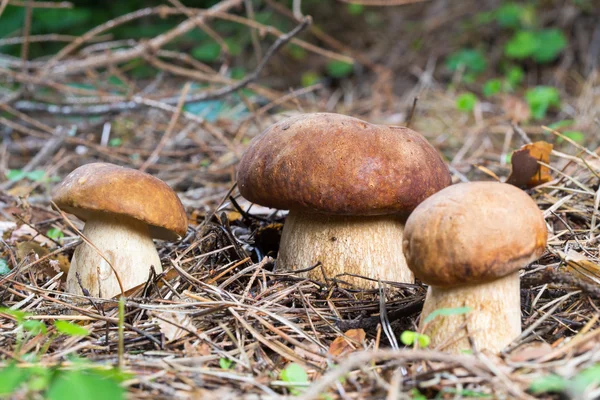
(493, 322)
(126, 243)
(366, 246)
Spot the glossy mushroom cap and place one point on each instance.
(473, 232)
(336, 164)
(97, 188)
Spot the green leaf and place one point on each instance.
(565, 123)
(115, 142)
(576, 136)
(79, 384)
(11, 378)
(586, 378)
(225, 363)
(237, 73)
(310, 78)
(551, 42)
(34, 326)
(540, 99)
(522, 45)
(548, 383)
(339, 69)
(509, 15)
(55, 233)
(492, 87)
(416, 395)
(466, 102)
(408, 338)
(69, 328)
(40, 377)
(36, 175)
(294, 373)
(235, 48)
(446, 312)
(15, 175)
(4, 268)
(515, 76)
(297, 52)
(17, 314)
(472, 60)
(207, 52)
(355, 9)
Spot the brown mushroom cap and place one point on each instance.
(473, 232)
(107, 188)
(336, 164)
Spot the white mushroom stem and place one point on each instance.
(493, 322)
(369, 246)
(126, 243)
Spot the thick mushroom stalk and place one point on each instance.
(493, 322)
(126, 243)
(468, 242)
(348, 245)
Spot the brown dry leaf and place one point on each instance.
(25, 249)
(516, 109)
(173, 332)
(347, 344)
(526, 172)
(530, 351)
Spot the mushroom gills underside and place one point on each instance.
(369, 246)
(126, 243)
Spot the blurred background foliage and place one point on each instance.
(486, 48)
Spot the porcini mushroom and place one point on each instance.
(348, 185)
(123, 210)
(468, 243)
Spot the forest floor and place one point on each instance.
(222, 321)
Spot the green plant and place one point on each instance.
(540, 99)
(225, 363)
(339, 69)
(472, 61)
(80, 380)
(55, 233)
(466, 102)
(576, 386)
(295, 375)
(4, 268)
(409, 338)
(542, 46)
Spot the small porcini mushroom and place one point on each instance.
(468, 243)
(348, 185)
(123, 210)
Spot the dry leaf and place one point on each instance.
(526, 172)
(173, 332)
(348, 343)
(516, 109)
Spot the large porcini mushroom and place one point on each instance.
(468, 243)
(348, 185)
(123, 210)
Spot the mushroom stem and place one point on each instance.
(126, 243)
(369, 246)
(493, 322)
